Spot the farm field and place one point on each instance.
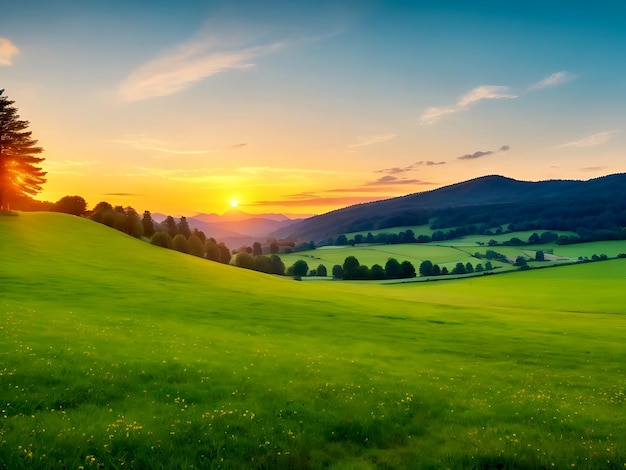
(118, 354)
(449, 252)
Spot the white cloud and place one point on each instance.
(373, 139)
(483, 92)
(555, 79)
(190, 62)
(7, 51)
(594, 139)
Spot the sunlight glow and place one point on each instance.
(234, 203)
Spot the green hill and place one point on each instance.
(118, 354)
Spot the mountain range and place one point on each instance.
(595, 204)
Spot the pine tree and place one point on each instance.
(20, 174)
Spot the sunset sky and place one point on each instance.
(305, 107)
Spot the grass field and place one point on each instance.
(118, 354)
(449, 252)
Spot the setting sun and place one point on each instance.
(234, 203)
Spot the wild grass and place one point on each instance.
(118, 354)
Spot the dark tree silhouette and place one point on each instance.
(300, 268)
(337, 272)
(426, 268)
(393, 269)
(256, 249)
(74, 205)
(20, 174)
(322, 271)
(148, 224)
(183, 227)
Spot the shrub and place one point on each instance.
(162, 239)
(244, 260)
(180, 243)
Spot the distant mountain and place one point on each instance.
(236, 227)
(593, 204)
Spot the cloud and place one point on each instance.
(594, 139)
(157, 146)
(239, 146)
(593, 168)
(373, 139)
(480, 154)
(7, 51)
(67, 167)
(309, 199)
(189, 63)
(392, 180)
(122, 194)
(429, 163)
(555, 79)
(484, 92)
(254, 170)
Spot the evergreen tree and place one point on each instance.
(256, 249)
(148, 224)
(169, 225)
(20, 174)
(183, 227)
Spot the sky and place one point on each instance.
(306, 107)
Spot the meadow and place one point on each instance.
(447, 253)
(118, 354)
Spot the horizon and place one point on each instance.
(310, 108)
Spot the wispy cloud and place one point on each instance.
(122, 194)
(480, 153)
(594, 139)
(372, 139)
(484, 92)
(392, 180)
(7, 51)
(310, 199)
(188, 63)
(239, 146)
(555, 79)
(428, 163)
(158, 146)
(67, 167)
(256, 170)
(406, 169)
(593, 168)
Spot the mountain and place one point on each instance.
(236, 227)
(492, 200)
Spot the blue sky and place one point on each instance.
(304, 107)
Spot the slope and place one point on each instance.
(521, 200)
(118, 354)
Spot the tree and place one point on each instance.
(322, 271)
(342, 240)
(244, 260)
(426, 268)
(169, 225)
(180, 243)
(278, 267)
(377, 272)
(256, 249)
(407, 270)
(337, 272)
(392, 269)
(488, 266)
(274, 247)
(459, 268)
(148, 224)
(350, 267)
(162, 239)
(224, 253)
(211, 250)
(183, 227)
(300, 268)
(436, 270)
(469, 268)
(20, 174)
(74, 205)
(133, 225)
(539, 256)
(196, 247)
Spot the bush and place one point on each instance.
(244, 260)
(196, 247)
(74, 205)
(180, 243)
(162, 239)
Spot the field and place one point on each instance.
(118, 354)
(449, 252)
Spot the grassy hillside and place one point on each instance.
(118, 354)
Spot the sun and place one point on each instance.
(234, 203)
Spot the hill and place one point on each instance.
(116, 353)
(489, 200)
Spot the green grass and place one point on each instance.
(118, 354)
